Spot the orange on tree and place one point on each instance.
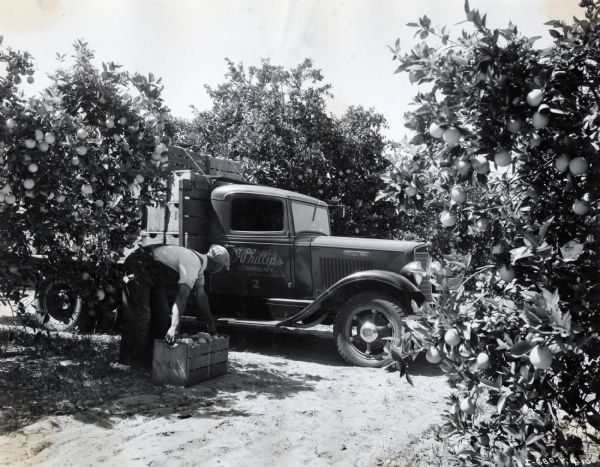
(82, 133)
(482, 224)
(458, 194)
(580, 207)
(483, 361)
(480, 164)
(433, 355)
(451, 136)
(448, 219)
(502, 159)
(436, 131)
(540, 120)
(507, 273)
(463, 167)
(451, 337)
(467, 406)
(541, 357)
(578, 166)
(410, 191)
(514, 125)
(562, 163)
(535, 97)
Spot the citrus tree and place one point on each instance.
(78, 164)
(274, 120)
(506, 154)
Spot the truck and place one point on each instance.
(286, 267)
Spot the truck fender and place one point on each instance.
(397, 281)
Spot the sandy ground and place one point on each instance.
(287, 400)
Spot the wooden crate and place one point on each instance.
(184, 159)
(157, 215)
(224, 168)
(181, 159)
(186, 364)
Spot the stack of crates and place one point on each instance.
(163, 223)
(188, 197)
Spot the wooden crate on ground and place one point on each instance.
(185, 364)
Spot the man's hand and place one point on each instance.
(182, 295)
(171, 335)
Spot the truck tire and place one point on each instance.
(58, 305)
(361, 326)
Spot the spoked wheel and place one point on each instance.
(58, 305)
(362, 326)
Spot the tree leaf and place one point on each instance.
(530, 240)
(489, 384)
(502, 345)
(594, 420)
(521, 348)
(533, 438)
(595, 439)
(520, 253)
(501, 404)
(396, 354)
(544, 228)
(554, 33)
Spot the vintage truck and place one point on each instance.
(286, 267)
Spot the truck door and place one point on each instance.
(259, 242)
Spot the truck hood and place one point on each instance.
(365, 244)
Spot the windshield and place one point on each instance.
(310, 218)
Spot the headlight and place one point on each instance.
(414, 271)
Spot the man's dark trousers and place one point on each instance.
(145, 313)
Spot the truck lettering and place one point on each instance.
(356, 253)
(255, 260)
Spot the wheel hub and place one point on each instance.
(368, 332)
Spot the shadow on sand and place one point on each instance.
(44, 375)
(75, 375)
(302, 345)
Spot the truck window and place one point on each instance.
(256, 215)
(310, 218)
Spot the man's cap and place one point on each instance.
(219, 254)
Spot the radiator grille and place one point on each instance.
(334, 269)
(422, 256)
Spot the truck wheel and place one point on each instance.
(58, 305)
(361, 326)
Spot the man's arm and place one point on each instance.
(183, 293)
(203, 305)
